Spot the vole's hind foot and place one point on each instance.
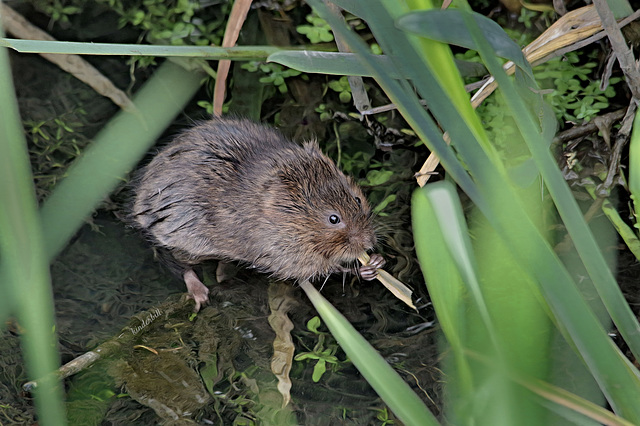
(197, 290)
(369, 271)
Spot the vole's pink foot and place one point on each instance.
(197, 291)
(369, 271)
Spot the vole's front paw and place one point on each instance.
(369, 271)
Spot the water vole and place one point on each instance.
(233, 189)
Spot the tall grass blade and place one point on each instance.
(78, 48)
(26, 283)
(634, 166)
(334, 63)
(437, 24)
(515, 337)
(583, 240)
(404, 403)
(492, 193)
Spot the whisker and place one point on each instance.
(355, 268)
(325, 281)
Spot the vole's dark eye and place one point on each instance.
(359, 201)
(334, 219)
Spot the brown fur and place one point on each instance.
(232, 189)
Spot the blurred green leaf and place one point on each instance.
(24, 266)
(437, 25)
(114, 153)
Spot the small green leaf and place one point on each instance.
(378, 177)
(345, 97)
(306, 355)
(319, 370)
(313, 324)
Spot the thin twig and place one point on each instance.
(616, 152)
(619, 45)
(234, 25)
(588, 127)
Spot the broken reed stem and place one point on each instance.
(395, 286)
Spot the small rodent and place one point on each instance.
(232, 189)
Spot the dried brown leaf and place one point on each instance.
(280, 300)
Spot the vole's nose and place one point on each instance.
(366, 240)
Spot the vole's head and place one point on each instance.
(324, 215)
